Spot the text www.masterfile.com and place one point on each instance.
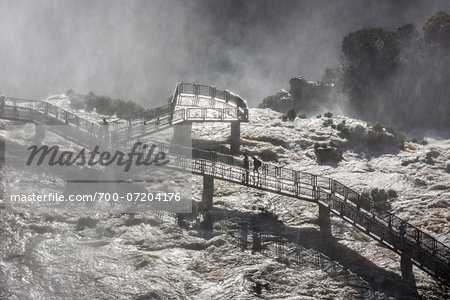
(96, 197)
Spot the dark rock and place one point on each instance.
(432, 154)
(420, 182)
(429, 160)
(327, 153)
(86, 222)
(308, 95)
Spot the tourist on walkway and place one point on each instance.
(256, 164)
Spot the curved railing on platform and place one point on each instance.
(203, 96)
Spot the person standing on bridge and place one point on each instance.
(2, 104)
(246, 166)
(256, 164)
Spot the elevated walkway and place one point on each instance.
(414, 246)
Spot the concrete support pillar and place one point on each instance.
(235, 137)
(324, 221)
(182, 135)
(39, 134)
(407, 271)
(208, 192)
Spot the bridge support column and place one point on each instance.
(235, 137)
(39, 134)
(407, 270)
(324, 221)
(208, 192)
(182, 135)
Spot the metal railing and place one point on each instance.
(202, 96)
(136, 126)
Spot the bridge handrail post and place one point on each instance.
(277, 171)
(358, 202)
(296, 187)
(195, 91)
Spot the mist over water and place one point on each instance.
(139, 49)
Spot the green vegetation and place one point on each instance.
(395, 77)
(399, 76)
(328, 122)
(291, 114)
(328, 115)
(381, 199)
(302, 116)
(104, 105)
(375, 138)
(327, 152)
(279, 102)
(332, 75)
(343, 128)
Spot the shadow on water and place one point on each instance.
(310, 239)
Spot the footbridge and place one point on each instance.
(189, 103)
(414, 246)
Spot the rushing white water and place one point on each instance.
(102, 256)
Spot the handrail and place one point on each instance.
(197, 95)
(437, 257)
(147, 123)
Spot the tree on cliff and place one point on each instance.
(370, 56)
(400, 77)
